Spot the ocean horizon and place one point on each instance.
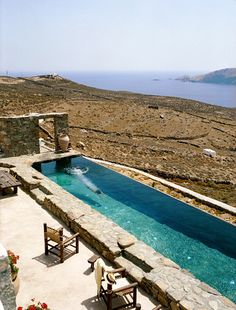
(151, 83)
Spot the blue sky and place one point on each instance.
(110, 35)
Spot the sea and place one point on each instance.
(152, 83)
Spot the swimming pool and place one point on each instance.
(195, 240)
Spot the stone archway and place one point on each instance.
(19, 135)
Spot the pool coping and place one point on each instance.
(174, 287)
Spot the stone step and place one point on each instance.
(146, 257)
(38, 195)
(134, 272)
(44, 190)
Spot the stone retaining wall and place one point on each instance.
(174, 287)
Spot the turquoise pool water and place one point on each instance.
(198, 242)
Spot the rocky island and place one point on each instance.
(164, 136)
(224, 76)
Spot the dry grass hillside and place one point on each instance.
(162, 135)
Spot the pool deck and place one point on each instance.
(70, 285)
(160, 277)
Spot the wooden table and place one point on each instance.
(8, 181)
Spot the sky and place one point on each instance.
(117, 35)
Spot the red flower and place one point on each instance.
(35, 306)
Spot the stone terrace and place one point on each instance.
(174, 287)
(66, 286)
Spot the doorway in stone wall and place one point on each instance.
(1, 152)
(46, 135)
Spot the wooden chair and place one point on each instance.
(121, 292)
(58, 244)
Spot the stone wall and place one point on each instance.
(19, 135)
(7, 293)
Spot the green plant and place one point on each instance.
(12, 262)
(35, 306)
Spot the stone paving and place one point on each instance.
(163, 279)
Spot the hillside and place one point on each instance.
(162, 135)
(224, 76)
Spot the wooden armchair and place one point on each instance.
(58, 244)
(118, 293)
